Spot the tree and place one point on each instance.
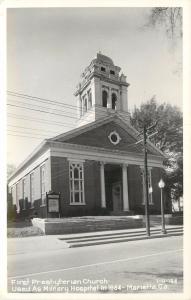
(170, 18)
(11, 211)
(169, 139)
(175, 180)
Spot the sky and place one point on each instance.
(48, 49)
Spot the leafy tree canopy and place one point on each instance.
(169, 139)
(169, 124)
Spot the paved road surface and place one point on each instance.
(141, 266)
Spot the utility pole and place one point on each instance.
(145, 173)
(146, 181)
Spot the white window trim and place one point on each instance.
(117, 136)
(81, 107)
(85, 104)
(80, 180)
(17, 196)
(32, 196)
(24, 192)
(107, 91)
(43, 194)
(89, 93)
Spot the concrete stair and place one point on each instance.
(99, 238)
(155, 220)
(121, 213)
(87, 224)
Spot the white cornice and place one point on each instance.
(82, 153)
(103, 157)
(29, 168)
(101, 154)
(36, 151)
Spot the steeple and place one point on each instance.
(101, 91)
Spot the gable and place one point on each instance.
(99, 137)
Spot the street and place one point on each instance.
(154, 265)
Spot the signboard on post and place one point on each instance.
(53, 204)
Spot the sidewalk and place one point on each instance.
(57, 242)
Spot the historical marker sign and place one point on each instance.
(53, 203)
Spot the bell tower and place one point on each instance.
(102, 91)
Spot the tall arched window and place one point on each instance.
(77, 183)
(104, 99)
(114, 101)
(85, 105)
(89, 99)
(81, 107)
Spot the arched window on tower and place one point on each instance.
(114, 101)
(81, 107)
(89, 99)
(104, 99)
(85, 105)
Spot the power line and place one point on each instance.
(56, 132)
(17, 131)
(47, 136)
(25, 136)
(54, 102)
(51, 122)
(62, 115)
(29, 97)
(130, 145)
(49, 108)
(48, 112)
(40, 106)
(44, 100)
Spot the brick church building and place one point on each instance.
(97, 168)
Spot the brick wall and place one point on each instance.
(92, 186)
(38, 209)
(136, 190)
(99, 138)
(60, 183)
(135, 187)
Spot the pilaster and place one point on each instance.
(102, 178)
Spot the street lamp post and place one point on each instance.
(161, 186)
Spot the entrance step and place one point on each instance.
(121, 213)
(116, 237)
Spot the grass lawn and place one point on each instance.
(22, 229)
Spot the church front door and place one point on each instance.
(117, 196)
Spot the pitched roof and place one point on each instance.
(67, 136)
